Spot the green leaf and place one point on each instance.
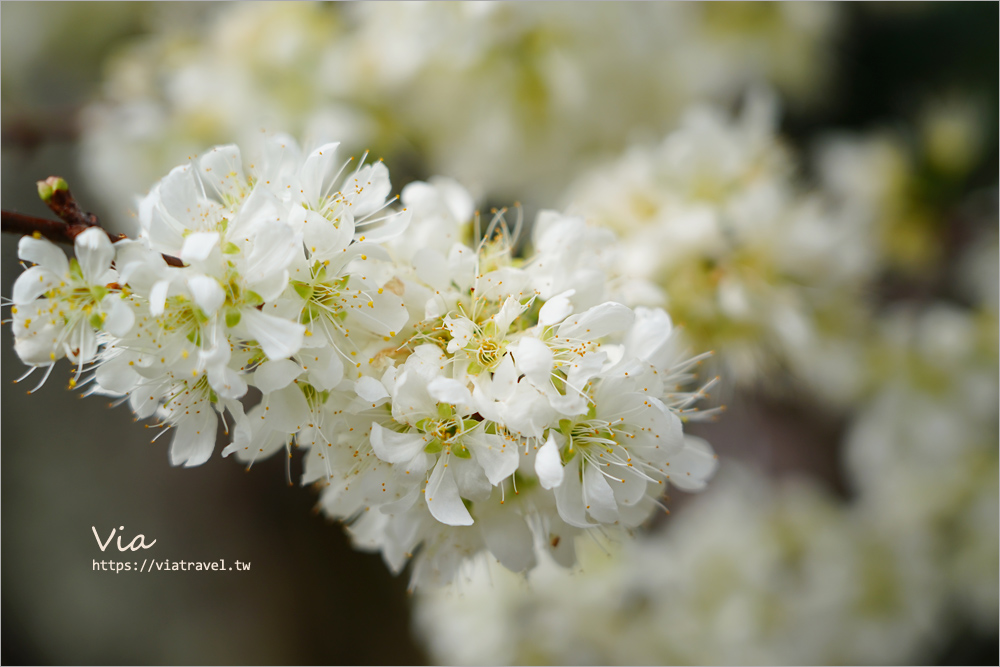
(233, 316)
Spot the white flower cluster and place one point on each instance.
(452, 397)
(753, 573)
(760, 572)
(505, 94)
(749, 258)
(922, 452)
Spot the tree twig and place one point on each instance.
(73, 220)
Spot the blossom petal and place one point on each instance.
(278, 337)
(598, 496)
(319, 173)
(198, 246)
(371, 390)
(44, 253)
(158, 297)
(443, 499)
(569, 496)
(120, 316)
(446, 390)
(394, 447)
(508, 538)
(288, 411)
(207, 293)
(597, 322)
(276, 374)
(33, 283)
(194, 440)
(691, 469)
(548, 465)
(497, 457)
(227, 383)
(556, 309)
(95, 254)
(533, 358)
(221, 170)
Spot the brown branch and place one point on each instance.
(72, 222)
(55, 193)
(54, 230)
(58, 231)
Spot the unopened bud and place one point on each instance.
(50, 186)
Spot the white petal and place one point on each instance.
(278, 337)
(461, 329)
(324, 239)
(556, 309)
(392, 226)
(394, 447)
(120, 316)
(597, 322)
(227, 383)
(116, 376)
(158, 297)
(383, 314)
(198, 246)
(325, 368)
(370, 186)
(207, 293)
(32, 284)
(508, 538)
(288, 410)
(432, 268)
(632, 490)
(95, 254)
(44, 253)
(442, 496)
(274, 247)
(275, 374)
(371, 390)
(471, 480)
(508, 313)
(319, 173)
(82, 345)
(221, 170)
(533, 358)
(497, 457)
(446, 390)
(548, 465)
(650, 336)
(569, 496)
(691, 469)
(598, 496)
(194, 440)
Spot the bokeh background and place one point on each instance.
(864, 461)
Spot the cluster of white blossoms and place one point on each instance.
(922, 452)
(750, 260)
(453, 398)
(783, 572)
(754, 572)
(505, 94)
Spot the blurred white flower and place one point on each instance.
(746, 573)
(504, 95)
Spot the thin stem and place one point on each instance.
(58, 231)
